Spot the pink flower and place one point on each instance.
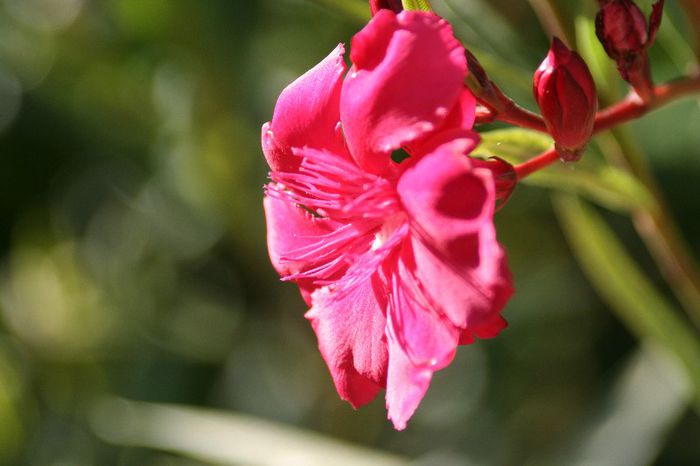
(398, 261)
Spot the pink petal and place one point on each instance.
(306, 114)
(463, 114)
(427, 337)
(490, 328)
(408, 72)
(290, 228)
(350, 327)
(405, 387)
(455, 140)
(463, 268)
(484, 330)
(406, 384)
(421, 341)
(456, 127)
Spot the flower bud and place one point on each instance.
(504, 177)
(622, 29)
(566, 95)
(479, 83)
(393, 5)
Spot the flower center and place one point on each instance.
(387, 230)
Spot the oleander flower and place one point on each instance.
(395, 252)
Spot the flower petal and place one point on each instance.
(306, 114)
(407, 75)
(406, 384)
(421, 340)
(463, 114)
(458, 141)
(490, 328)
(350, 326)
(427, 337)
(290, 228)
(405, 387)
(484, 330)
(463, 268)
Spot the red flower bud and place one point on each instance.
(393, 5)
(622, 29)
(566, 95)
(504, 176)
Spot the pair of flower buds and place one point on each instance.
(563, 85)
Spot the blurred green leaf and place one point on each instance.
(418, 5)
(675, 45)
(224, 438)
(608, 186)
(12, 431)
(628, 425)
(358, 10)
(601, 66)
(625, 288)
(483, 25)
(514, 144)
(507, 74)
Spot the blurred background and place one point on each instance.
(141, 322)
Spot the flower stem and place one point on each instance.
(630, 108)
(633, 107)
(536, 163)
(655, 226)
(514, 114)
(658, 230)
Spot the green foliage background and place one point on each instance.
(135, 278)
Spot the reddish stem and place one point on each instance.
(483, 115)
(630, 108)
(519, 116)
(536, 163)
(500, 106)
(633, 107)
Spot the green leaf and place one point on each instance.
(628, 292)
(601, 66)
(649, 396)
(486, 30)
(603, 184)
(514, 144)
(417, 5)
(12, 411)
(356, 9)
(675, 44)
(224, 438)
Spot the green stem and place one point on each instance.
(625, 288)
(552, 20)
(659, 232)
(692, 13)
(655, 226)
